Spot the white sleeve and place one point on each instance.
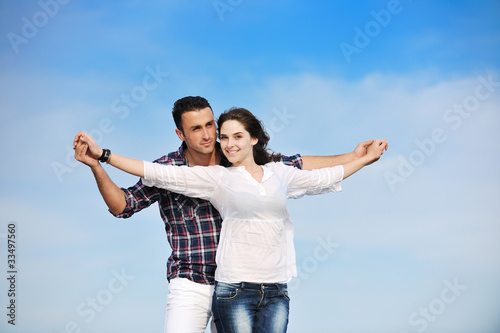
(197, 182)
(312, 182)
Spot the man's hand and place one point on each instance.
(86, 150)
(362, 148)
(318, 162)
(376, 149)
(373, 150)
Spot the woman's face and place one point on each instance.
(236, 143)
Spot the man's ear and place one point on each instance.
(180, 134)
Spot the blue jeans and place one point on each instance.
(250, 308)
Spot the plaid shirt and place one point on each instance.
(192, 224)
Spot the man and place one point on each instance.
(192, 225)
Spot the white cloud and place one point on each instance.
(435, 210)
(443, 215)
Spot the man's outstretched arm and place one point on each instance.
(113, 196)
(318, 162)
(373, 153)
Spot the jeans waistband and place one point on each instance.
(251, 285)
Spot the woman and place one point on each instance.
(255, 256)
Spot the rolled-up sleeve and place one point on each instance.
(294, 160)
(197, 182)
(137, 198)
(313, 182)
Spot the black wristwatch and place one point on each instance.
(105, 155)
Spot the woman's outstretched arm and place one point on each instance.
(196, 182)
(129, 165)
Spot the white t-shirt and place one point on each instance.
(256, 239)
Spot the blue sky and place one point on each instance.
(410, 245)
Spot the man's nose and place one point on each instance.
(206, 134)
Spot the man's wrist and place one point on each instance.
(106, 153)
(96, 168)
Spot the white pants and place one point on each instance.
(189, 307)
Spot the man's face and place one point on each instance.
(199, 134)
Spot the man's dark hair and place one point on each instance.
(185, 104)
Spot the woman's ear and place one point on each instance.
(254, 141)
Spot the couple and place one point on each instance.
(255, 257)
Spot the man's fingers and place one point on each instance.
(381, 142)
(367, 143)
(80, 149)
(385, 144)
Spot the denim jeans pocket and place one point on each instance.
(284, 293)
(226, 291)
